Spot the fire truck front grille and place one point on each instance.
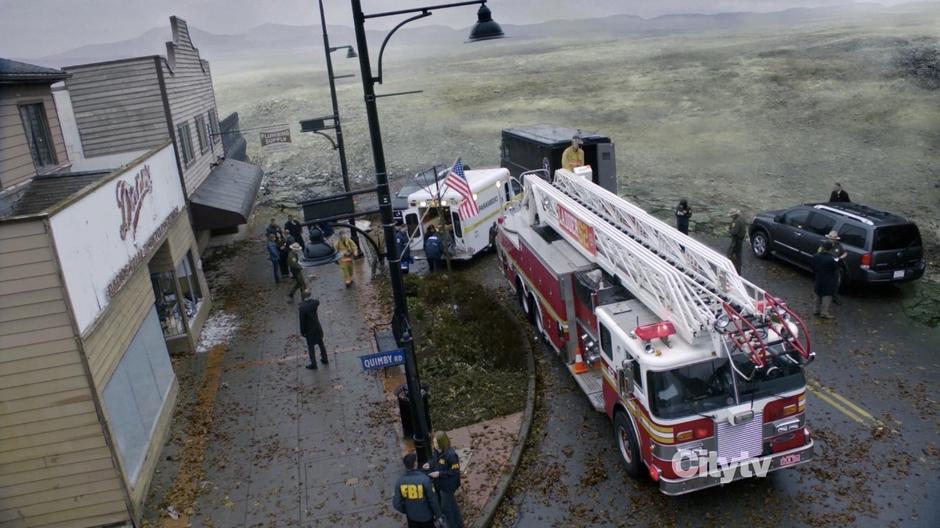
(739, 442)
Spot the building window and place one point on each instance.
(189, 285)
(136, 395)
(38, 136)
(216, 134)
(186, 143)
(168, 305)
(203, 133)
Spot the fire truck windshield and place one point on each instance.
(706, 386)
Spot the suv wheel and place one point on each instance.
(760, 244)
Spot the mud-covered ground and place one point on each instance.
(755, 119)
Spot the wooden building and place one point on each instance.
(30, 136)
(99, 277)
(136, 103)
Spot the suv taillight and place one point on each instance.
(866, 261)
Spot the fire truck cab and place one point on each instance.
(700, 371)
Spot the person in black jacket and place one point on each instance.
(294, 229)
(445, 472)
(826, 280)
(838, 195)
(683, 213)
(312, 331)
(415, 497)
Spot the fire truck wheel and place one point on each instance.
(532, 311)
(520, 295)
(627, 444)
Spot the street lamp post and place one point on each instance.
(340, 144)
(485, 28)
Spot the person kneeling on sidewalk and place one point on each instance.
(415, 496)
(312, 331)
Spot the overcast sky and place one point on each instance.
(35, 28)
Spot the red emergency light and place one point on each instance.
(662, 330)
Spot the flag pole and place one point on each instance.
(440, 215)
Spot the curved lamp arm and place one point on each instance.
(327, 136)
(423, 14)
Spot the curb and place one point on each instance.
(496, 498)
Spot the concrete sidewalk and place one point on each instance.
(289, 446)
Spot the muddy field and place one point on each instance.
(753, 119)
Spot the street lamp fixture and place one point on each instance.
(484, 29)
(318, 125)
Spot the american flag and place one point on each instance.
(457, 181)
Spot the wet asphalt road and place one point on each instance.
(871, 406)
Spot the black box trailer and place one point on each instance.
(541, 146)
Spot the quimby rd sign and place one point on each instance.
(383, 360)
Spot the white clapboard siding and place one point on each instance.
(16, 162)
(55, 465)
(190, 94)
(118, 106)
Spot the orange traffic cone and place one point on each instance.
(580, 367)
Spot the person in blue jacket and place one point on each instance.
(404, 249)
(415, 496)
(434, 250)
(445, 472)
(274, 256)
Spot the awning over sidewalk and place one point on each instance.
(227, 196)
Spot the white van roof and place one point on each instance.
(479, 179)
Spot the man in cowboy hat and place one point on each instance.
(573, 156)
(839, 253)
(737, 229)
(293, 263)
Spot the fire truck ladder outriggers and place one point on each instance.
(680, 279)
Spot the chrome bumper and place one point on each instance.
(782, 460)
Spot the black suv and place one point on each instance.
(882, 247)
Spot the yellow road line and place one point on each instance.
(822, 396)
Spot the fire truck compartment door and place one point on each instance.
(606, 173)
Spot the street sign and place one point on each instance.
(382, 360)
(328, 207)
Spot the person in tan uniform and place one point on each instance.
(347, 250)
(573, 156)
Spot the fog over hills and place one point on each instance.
(279, 38)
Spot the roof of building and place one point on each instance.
(44, 192)
(554, 135)
(225, 199)
(12, 71)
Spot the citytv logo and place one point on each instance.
(688, 463)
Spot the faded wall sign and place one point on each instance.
(275, 138)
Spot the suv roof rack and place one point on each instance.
(843, 212)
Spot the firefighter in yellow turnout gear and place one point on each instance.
(347, 250)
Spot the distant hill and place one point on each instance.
(274, 38)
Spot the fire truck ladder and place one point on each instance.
(678, 278)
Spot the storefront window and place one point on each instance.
(168, 306)
(189, 285)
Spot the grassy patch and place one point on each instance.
(471, 349)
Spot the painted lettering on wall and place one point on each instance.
(130, 198)
(578, 229)
(124, 274)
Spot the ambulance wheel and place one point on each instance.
(520, 295)
(627, 444)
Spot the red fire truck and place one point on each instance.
(700, 371)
